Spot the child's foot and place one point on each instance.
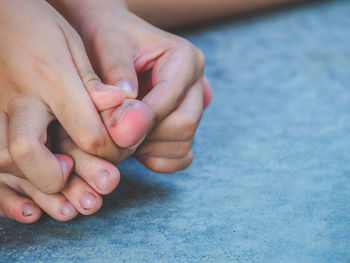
(128, 123)
(127, 120)
(23, 202)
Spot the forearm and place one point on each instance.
(74, 10)
(170, 13)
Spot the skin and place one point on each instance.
(166, 14)
(155, 151)
(169, 71)
(20, 200)
(46, 75)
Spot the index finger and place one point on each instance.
(172, 75)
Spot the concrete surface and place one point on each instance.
(271, 179)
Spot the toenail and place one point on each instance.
(88, 200)
(136, 145)
(28, 209)
(128, 88)
(103, 180)
(68, 209)
(121, 111)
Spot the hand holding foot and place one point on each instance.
(166, 70)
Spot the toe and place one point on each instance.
(101, 175)
(82, 196)
(55, 205)
(17, 207)
(128, 123)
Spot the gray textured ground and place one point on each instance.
(271, 179)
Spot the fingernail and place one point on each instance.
(103, 180)
(87, 200)
(121, 111)
(28, 210)
(104, 88)
(128, 88)
(68, 209)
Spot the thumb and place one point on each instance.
(116, 66)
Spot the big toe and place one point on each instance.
(129, 123)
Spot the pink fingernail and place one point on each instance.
(28, 210)
(88, 200)
(104, 88)
(68, 209)
(128, 88)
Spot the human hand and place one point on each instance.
(167, 70)
(92, 177)
(46, 74)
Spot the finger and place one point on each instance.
(182, 123)
(103, 96)
(207, 93)
(71, 103)
(115, 64)
(165, 149)
(165, 165)
(173, 74)
(16, 206)
(101, 175)
(28, 124)
(82, 196)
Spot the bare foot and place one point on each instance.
(93, 176)
(23, 202)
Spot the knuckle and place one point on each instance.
(44, 69)
(183, 43)
(91, 143)
(192, 51)
(89, 78)
(23, 147)
(186, 127)
(182, 148)
(117, 72)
